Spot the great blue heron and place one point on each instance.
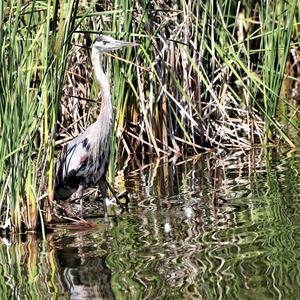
(84, 160)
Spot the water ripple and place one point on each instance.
(229, 230)
(224, 226)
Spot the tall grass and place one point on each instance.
(206, 74)
(276, 37)
(35, 40)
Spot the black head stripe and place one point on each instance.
(99, 38)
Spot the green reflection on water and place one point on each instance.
(28, 270)
(223, 226)
(232, 231)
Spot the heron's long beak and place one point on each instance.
(116, 44)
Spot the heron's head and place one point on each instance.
(107, 43)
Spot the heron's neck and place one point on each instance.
(106, 112)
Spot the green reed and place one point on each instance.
(34, 39)
(276, 30)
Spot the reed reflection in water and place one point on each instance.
(28, 269)
(69, 265)
(222, 226)
(81, 256)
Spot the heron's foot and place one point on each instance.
(105, 200)
(81, 208)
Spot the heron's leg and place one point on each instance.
(124, 206)
(79, 194)
(120, 196)
(103, 190)
(113, 192)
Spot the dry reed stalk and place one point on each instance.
(183, 93)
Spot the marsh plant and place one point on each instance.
(207, 74)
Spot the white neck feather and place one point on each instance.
(106, 105)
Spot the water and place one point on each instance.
(221, 226)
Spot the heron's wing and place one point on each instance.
(74, 159)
